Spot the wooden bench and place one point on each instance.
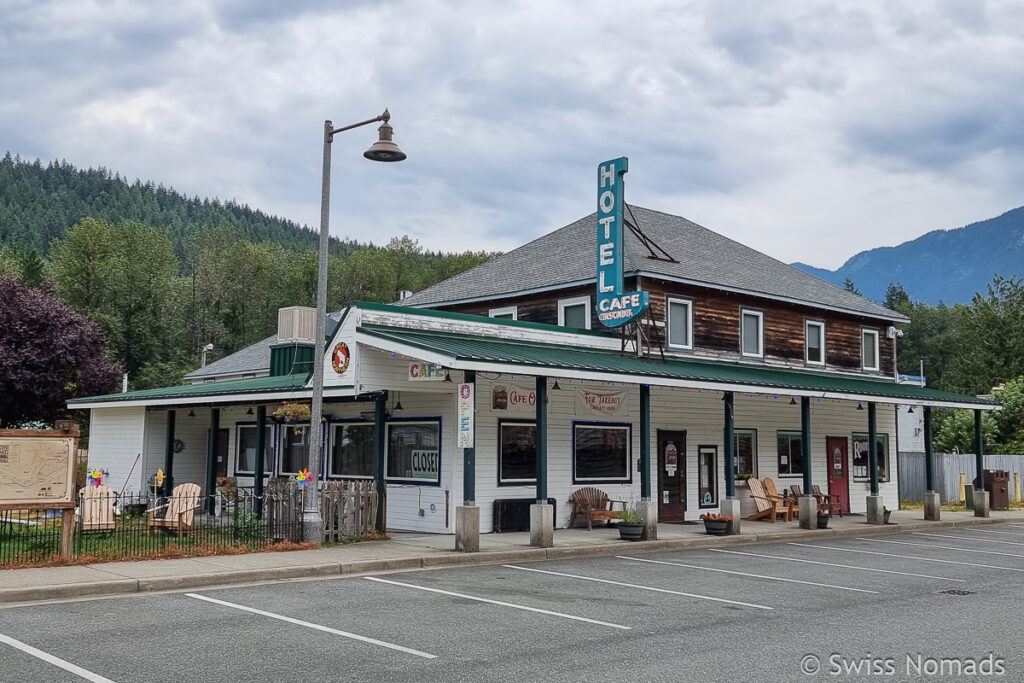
(593, 503)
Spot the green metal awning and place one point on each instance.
(265, 387)
(488, 354)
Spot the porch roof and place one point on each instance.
(257, 388)
(488, 354)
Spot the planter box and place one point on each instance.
(747, 506)
(630, 532)
(716, 527)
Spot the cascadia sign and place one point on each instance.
(615, 307)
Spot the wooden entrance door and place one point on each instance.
(671, 491)
(838, 470)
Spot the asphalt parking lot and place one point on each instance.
(924, 605)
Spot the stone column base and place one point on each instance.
(876, 510)
(542, 520)
(648, 510)
(932, 504)
(808, 512)
(981, 503)
(731, 508)
(467, 528)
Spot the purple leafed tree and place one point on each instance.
(48, 354)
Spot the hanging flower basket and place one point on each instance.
(291, 412)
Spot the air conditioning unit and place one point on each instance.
(296, 324)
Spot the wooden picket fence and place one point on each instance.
(349, 508)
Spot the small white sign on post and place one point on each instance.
(466, 404)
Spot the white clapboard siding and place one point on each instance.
(116, 437)
(190, 463)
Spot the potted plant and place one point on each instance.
(291, 412)
(716, 524)
(885, 515)
(631, 525)
(822, 519)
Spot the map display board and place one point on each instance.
(36, 469)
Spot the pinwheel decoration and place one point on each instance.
(303, 477)
(95, 477)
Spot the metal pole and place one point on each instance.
(542, 440)
(380, 418)
(929, 466)
(978, 452)
(211, 460)
(645, 443)
(805, 433)
(872, 449)
(469, 454)
(169, 455)
(730, 442)
(311, 519)
(260, 465)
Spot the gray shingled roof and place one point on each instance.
(704, 257)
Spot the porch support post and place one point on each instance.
(931, 496)
(981, 496)
(875, 507)
(730, 506)
(467, 515)
(646, 508)
(260, 464)
(379, 420)
(541, 514)
(808, 506)
(169, 455)
(211, 460)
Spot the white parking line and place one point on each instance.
(498, 602)
(833, 564)
(645, 588)
(941, 547)
(989, 531)
(907, 557)
(56, 661)
(318, 627)
(755, 576)
(968, 538)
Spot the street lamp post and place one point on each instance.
(382, 150)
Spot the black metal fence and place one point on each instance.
(109, 526)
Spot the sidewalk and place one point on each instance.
(418, 551)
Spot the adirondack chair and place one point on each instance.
(177, 514)
(797, 492)
(827, 501)
(594, 504)
(96, 511)
(787, 504)
(767, 507)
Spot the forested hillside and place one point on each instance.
(164, 275)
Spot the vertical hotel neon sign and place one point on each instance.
(614, 306)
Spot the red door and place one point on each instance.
(671, 476)
(838, 470)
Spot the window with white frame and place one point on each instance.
(352, 451)
(601, 453)
(869, 349)
(245, 455)
(517, 452)
(506, 312)
(679, 323)
(752, 333)
(745, 452)
(791, 454)
(574, 312)
(414, 451)
(814, 342)
(294, 448)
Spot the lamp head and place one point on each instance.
(385, 149)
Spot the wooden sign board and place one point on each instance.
(37, 469)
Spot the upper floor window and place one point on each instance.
(752, 333)
(679, 323)
(869, 349)
(814, 342)
(574, 312)
(507, 312)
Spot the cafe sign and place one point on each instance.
(615, 307)
(426, 372)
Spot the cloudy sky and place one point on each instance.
(808, 130)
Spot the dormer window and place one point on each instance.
(506, 312)
(869, 349)
(752, 333)
(574, 312)
(814, 342)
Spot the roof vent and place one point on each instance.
(296, 324)
(404, 294)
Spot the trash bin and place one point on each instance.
(969, 496)
(997, 483)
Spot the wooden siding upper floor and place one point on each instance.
(716, 324)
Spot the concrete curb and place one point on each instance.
(230, 577)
